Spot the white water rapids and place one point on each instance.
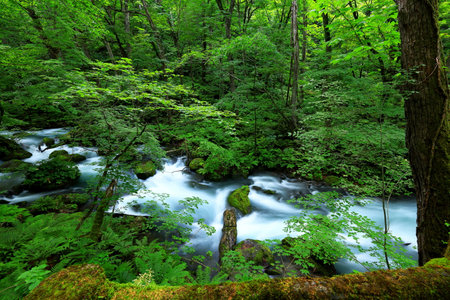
(269, 212)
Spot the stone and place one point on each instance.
(49, 142)
(9, 149)
(229, 232)
(196, 163)
(239, 199)
(57, 153)
(145, 169)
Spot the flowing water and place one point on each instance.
(269, 211)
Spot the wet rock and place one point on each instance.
(144, 170)
(239, 199)
(64, 155)
(229, 232)
(196, 164)
(9, 149)
(57, 153)
(49, 142)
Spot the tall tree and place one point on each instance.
(295, 63)
(428, 127)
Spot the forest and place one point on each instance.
(140, 139)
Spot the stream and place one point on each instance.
(269, 212)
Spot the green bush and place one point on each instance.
(51, 175)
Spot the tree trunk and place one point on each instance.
(427, 129)
(100, 213)
(295, 63)
(126, 24)
(228, 16)
(157, 44)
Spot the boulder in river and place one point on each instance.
(196, 164)
(145, 169)
(64, 155)
(229, 232)
(239, 199)
(9, 149)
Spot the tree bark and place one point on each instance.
(228, 16)
(427, 129)
(157, 44)
(295, 63)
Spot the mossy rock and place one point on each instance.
(76, 282)
(76, 158)
(57, 153)
(239, 199)
(144, 170)
(51, 175)
(9, 149)
(332, 180)
(49, 142)
(14, 165)
(64, 155)
(255, 251)
(196, 163)
(61, 203)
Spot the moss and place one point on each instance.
(197, 163)
(332, 180)
(89, 282)
(9, 149)
(48, 142)
(443, 262)
(239, 199)
(75, 282)
(77, 158)
(255, 251)
(144, 170)
(14, 165)
(57, 153)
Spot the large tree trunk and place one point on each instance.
(427, 132)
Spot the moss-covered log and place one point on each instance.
(429, 282)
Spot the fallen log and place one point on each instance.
(431, 281)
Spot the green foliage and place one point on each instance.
(52, 174)
(59, 203)
(174, 222)
(332, 236)
(33, 277)
(238, 268)
(12, 213)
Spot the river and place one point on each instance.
(269, 212)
